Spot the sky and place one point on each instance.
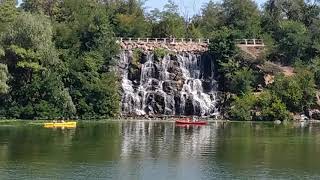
(187, 7)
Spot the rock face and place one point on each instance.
(181, 84)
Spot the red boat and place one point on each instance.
(191, 122)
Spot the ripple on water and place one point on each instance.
(155, 150)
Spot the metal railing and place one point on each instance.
(249, 42)
(163, 40)
(241, 42)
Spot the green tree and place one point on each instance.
(224, 50)
(128, 18)
(222, 45)
(241, 108)
(210, 19)
(315, 68)
(3, 79)
(8, 12)
(292, 39)
(298, 10)
(272, 108)
(243, 17)
(242, 81)
(87, 45)
(169, 23)
(50, 8)
(34, 66)
(297, 92)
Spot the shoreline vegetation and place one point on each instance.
(57, 58)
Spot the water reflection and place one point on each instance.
(161, 150)
(150, 139)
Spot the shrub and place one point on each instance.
(297, 92)
(241, 108)
(160, 53)
(272, 108)
(137, 54)
(242, 81)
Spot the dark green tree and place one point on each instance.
(87, 45)
(3, 79)
(242, 81)
(210, 19)
(292, 41)
(8, 12)
(169, 23)
(243, 17)
(241, 108)
(36, 89)
(297, 92)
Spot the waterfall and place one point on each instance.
(180, 84)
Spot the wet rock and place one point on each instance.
(175, 85)
(172, 87)
(155, 103)
(277, 122)
(315, 114)
(153, 85)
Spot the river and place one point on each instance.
(160, 150)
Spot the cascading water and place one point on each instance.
(181, 84)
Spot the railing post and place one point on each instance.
(130, 40)
(147, 40)
(199, 40)
(182, 39)
(138, 39)
(246, 41)
(208, 41)
(165, 40)
(156, 40)
(190, 40)
(121, 39)
(254, 42)
(174, 40)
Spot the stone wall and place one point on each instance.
(191, 47)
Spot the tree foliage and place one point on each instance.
(61, 63)
(8, 12)
(297, 92)
(3, 79)
(241, 108)
(168, 23)
(56, 56)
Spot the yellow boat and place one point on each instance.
(71, 124)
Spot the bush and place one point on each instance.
(242, 81)
(241, 108)
(135, 64)
(297, 92)
(272, 108)
(160, 53)
(137, 54)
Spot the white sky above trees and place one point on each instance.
(187, 7)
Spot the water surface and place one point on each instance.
(160, 150)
